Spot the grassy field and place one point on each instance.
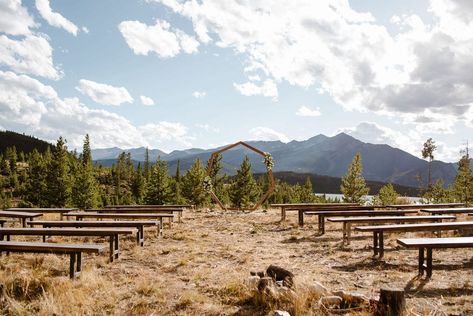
(201, 267)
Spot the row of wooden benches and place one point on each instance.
(111, 229)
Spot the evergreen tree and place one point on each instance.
(307, 193)
(85, 189)
(244, 190)
(146, 165)
(176, 186)
(36, 186)
(192, 185)
(463, 183)
(353, 184)
(438, 194)
(58, 177)
(139, 185)
(158, 189)
(387, 195)
(428, 153)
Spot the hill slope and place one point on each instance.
(23, 143)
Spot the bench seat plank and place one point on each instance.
(426, 246)
(458, 210)
(73, 250)
(348, 221)
(138, 224)
(23, 216)
(379, 230)
(112, 233)
(322, 214)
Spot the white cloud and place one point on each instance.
(267, 134)
(29, 106)
(14, 19)
(267, 89)
(103, 93)
(55, 19)
(159, 38)
(208, 128)
(199, 94)
(30, 55)
(307, 111)
(166, 135)
(146, 100)
(347, 54)
(85, 30)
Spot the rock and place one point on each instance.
(258, 273)
(331, 301)
(264, 283)
(317, 289)
(281, 313)
(253, 281)
(281, 274)
(352, 299)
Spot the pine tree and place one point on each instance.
(158, 190)
(58, 177)
(428, 152)
(307, 193)
(192, 185)
(36, 186)
(387, 195)
(353, 184)
(244, 190)
(176, 186)
(146, 165)
(138, 187)
(85, 189)
(463, 183)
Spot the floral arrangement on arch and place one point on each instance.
(207, 184)
(268, 161)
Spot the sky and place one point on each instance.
(176, 74)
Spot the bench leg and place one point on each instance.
(348, 233)
(159, 230)
(381, 244)
(421, 261)
(375, 244)
(283, 214)
(117, 244)
(321, 225)
(429, 263)
(72, 266)
(301, 218)
(111, 248)
(344, 229)
(141, 240)
(179, 217)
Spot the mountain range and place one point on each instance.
(321, 155)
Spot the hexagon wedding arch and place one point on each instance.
(268, 161)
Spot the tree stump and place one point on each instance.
(391, 302)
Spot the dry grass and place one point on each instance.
(201, 267)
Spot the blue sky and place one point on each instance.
(177, 74)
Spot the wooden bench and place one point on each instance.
(420, 206)
(307, 206)
(140, 236)
(458, 210)
(378, 231)
(322, 214)
(112, 233)
(348, 221)
(73, 250)
(162, 210)
(120, 216)
(43, 210)
(22, 216)
(426, 245)
(156, 206)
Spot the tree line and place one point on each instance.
(60, 178)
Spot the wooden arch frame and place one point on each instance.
(272, 184)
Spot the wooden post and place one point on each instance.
(391, 302)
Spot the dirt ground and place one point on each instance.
(201, 265)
